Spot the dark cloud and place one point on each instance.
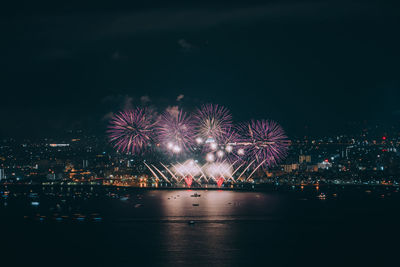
(116, 55)
(145, 99)
(185, 45)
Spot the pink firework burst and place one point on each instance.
(213, 121)
(265, 141)
(131, 130)
(176, 131)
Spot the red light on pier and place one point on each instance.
(220, 181)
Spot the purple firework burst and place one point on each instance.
(176, 131)
(265, 141)
(230, 136)
(131, 130)
(213, 121)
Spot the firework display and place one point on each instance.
(131, 130)
(176, 131)
(263, 140)
(212, 148)
(213, 122)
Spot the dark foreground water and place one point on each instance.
(84, 226)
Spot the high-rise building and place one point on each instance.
(345, 153)
(2, 174)
(130, 163)
(51, 176)
(85, 163)
(290, 167)
(304, 158)
(325, 165)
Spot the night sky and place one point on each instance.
(312, 66)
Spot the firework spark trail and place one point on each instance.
(170, 172)
(188, 168)
(229, 172)
(213, 121)
(203, 174)
(151, 170)
(213, 177)
(259, 165)
(231, 166)
(233, 173)
(178, 171)
(176, 131)
(231, 178)
(219, 170)
(210, 175)
(165, 177)
(264, 141)
(131, 131)
(246, 168)
(231, 136)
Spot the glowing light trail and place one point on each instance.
(251, 163)
(151, 170)
(259, 165)
(163, 175)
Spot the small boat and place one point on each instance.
(191, 222)
(322, 196)
(33, 195)
(5, 194)
(195, 204)
(195, 195)
(80, 218)
(95, 217)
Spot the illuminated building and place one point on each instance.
(304, 158)
(290, 167)
(324, 165)
(85, 163)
